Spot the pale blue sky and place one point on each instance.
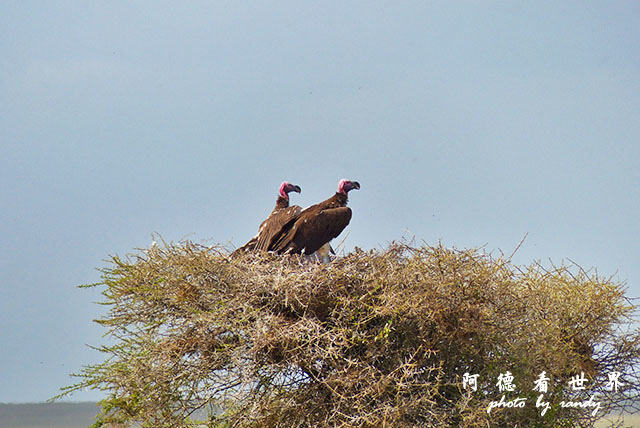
(473, 123)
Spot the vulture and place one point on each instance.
(280, 215)
(310, 230)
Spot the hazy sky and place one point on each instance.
(473, 123)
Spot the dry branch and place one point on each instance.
(373, 339)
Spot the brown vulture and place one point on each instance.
(280, 215)
(317, 225)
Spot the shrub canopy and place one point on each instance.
(373, 339)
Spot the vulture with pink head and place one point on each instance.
(317, 225)
(280, 215)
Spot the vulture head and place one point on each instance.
(345, 186)
(287, 187)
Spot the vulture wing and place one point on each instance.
(271, 226)
(280, 215)
(249, 246)
(311, 230)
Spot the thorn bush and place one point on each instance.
(374, 339)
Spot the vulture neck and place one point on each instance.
(282, 202)
(340, 199)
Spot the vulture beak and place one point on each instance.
(356, 185)
(297, 189)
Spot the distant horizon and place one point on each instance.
(48, 415)
(47, 402)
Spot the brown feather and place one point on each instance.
(249, 246)
(272, 225)
(280, 215)
(281, 203)
(313, 227)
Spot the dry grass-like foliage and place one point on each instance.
(373, 339)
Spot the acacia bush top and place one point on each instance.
(373, 339)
